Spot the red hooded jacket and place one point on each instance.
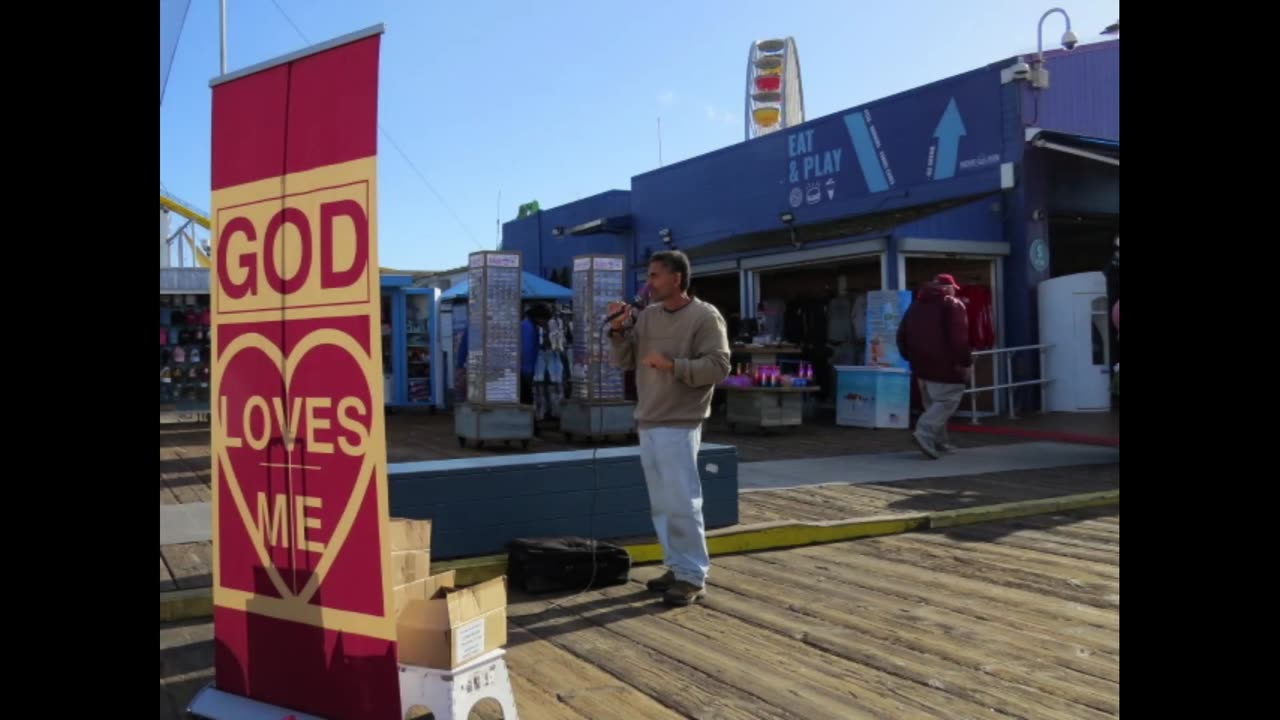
(934, 337)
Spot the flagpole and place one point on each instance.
(222, 37)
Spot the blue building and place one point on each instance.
(981, 175)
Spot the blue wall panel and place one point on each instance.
(1083, 97)
(936, 142)
(550, 256)
(477, 506)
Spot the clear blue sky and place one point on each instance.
(559, 100)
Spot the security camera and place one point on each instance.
(1069, 40)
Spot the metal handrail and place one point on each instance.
(1042, 381)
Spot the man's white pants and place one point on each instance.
(940, 400)
(669, 457)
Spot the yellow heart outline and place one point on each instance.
(286, 366)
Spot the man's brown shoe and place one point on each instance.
(682, 593)
(662, 582)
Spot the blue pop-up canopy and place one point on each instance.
(532, 287)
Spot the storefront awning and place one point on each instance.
(607, 225)
(1099, 149)
(851, 227)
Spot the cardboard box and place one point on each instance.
(409, 566)
(442, 626)
(409, 534)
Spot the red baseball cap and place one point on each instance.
(946, 279)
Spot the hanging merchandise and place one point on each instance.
(839, 317)
(859, 315)
(184, 353)
(977, 300)
(548, 369)
(772, 314)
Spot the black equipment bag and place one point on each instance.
(539, 565)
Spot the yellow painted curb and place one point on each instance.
(1022, 508)
(180, 605)
(473, 570)
(772, 536)
(189, 604)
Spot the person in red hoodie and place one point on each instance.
(934, 338)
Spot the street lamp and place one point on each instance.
(1039, 75)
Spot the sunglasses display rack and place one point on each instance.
(493, 411)
(597, 407)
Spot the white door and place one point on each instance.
(1093, 362)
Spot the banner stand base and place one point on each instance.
(213, 704)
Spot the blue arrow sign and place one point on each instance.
(948, 133)
(865, 148)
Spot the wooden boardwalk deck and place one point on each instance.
(188, 565)
(186, 476)
(1013, 619)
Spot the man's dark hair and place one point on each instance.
(676, 262)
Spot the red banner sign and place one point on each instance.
(303, 615)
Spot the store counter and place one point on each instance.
(765, 407)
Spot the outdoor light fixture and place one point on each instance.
(665, 235)
(787, 218)
(1040, 76)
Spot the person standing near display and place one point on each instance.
(934, 339)
(528, 352)
(679, 349)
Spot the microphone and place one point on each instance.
(638, 302)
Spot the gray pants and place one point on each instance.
(940, 402)
(669, 457)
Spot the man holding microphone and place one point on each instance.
(679, 348)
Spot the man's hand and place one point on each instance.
(626, 318)
(658, 361)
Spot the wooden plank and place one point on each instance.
(1099, 593)
(790, 510)
(805, 498)
(1030, 559)
(870, 560)
(580, 687)
(750, 513)
(983, 643)
(190, 563)
(166, 495)
(1071, 526)
(188, 484)
(795, 682)
(961, 675)
(839, 504)
(849, 496)
(533, 702)
(693, 691)
(1035, 540)
(166, 577)
(1023, 508)
(835, 680)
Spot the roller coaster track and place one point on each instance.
(174, 205)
